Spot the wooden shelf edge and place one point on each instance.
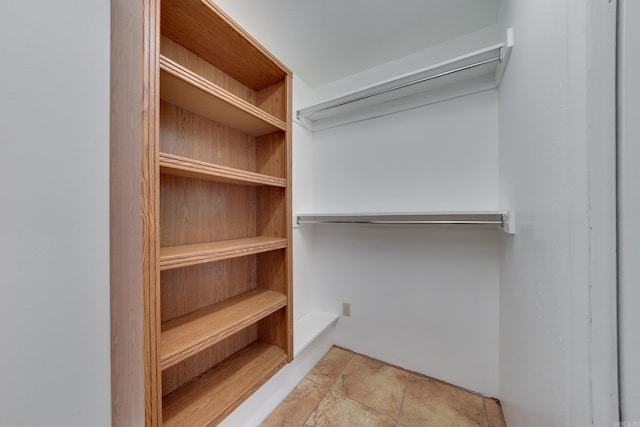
(190, 168)
(212, 396)
(187, 21)
(255, 121)
(212, 324)
(246, 36)
(201, 253)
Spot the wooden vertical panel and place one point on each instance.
(273, 100)
(271, 217)
(127, 338)
(272, 271)
(271, 154)
(189, 288)
(288, 215)
(184, 205)
(185, 57)
(136, 393)
(150, 209)
(273, 329)
(195, 211)
(186, 134)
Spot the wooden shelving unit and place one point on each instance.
(218, 301)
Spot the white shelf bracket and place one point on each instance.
(509, 223)
(505, 54)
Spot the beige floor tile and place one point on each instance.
(434, 404)
(331, 365)
(297, 406)
(373, 383)
(336, 410)
(494, 413)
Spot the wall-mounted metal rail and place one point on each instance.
(472, 219)
(483, 67)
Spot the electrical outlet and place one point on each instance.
(346, 309)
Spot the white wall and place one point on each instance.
(547, 116)
(424, 299)
(433, 55)
(441, 157)
(302, 202)
(54, 221)
(629, 158)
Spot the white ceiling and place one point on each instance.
(325, 40)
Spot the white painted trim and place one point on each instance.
(308, 328)
(601, 146)
(628, 209)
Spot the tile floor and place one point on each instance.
(348, 389)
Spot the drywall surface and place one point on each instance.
(445, 51)
(441, 157)
(302, 148)
(537, 277)
(629, 231)
(424, 299)
(546, 268)
(54, 221)
(599, 106)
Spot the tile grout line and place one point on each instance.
(486, 414)
(328, 387)
(377, 410)
(317, 404)
(353, 353)
(404, 394)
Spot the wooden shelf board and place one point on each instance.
(203, 28)
(216, 393)
(187, 335)
(182, 87)
(200, 253)
(181, 166)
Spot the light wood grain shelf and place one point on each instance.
(207, 31)
(181, 166)
(213, 395)
(200, 253)
(184, 88)
(185, 336)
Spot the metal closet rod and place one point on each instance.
(402, 222)
(403, 85)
